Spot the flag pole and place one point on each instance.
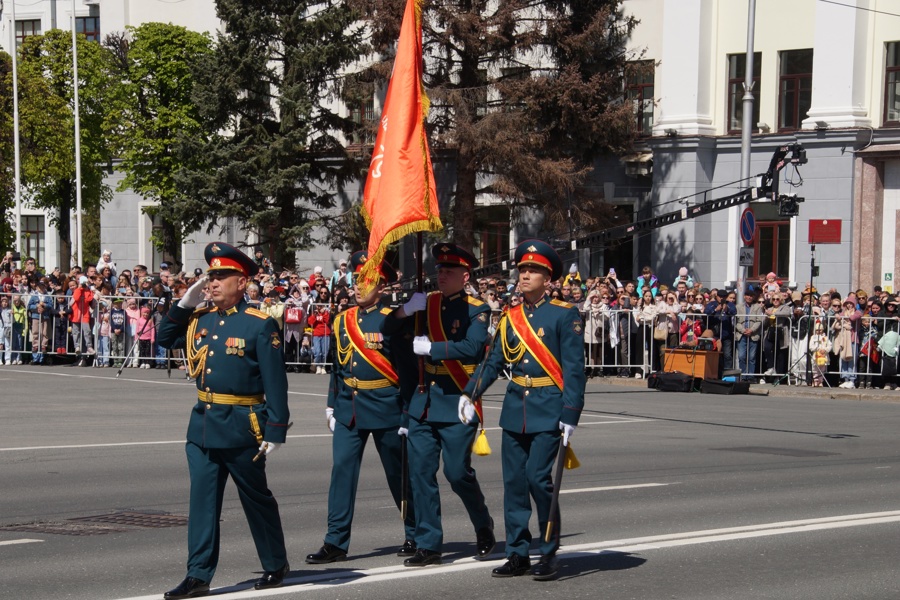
(420, 287)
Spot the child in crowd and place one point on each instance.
(305, 357)
(19, 328)
(6, 320)
(117, 320)
(40, 333)
(103, 335)
(132, 314)
(820, 346)
(146, 335)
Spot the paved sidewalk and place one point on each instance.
(793, 391)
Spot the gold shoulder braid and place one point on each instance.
(343, 351)
(196, 359)
(510, 354)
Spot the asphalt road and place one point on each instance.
(684, 496)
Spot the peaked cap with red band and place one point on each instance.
(451, 255)
(358, 259)
(225, 257)
(540, 254)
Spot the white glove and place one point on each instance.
(194, 295)
(466, 409)
(568, 431)
(269, 447)
(403, 431)
(329, 418)
(422, 345)
(415, 304)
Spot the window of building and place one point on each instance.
(26, 29)
(737, 71)
(639, 91)
(892, 85)
(363, 114)
(794, 88)
(33, 238)
(89, 26)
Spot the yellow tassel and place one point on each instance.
(571, 459)
(481, 446)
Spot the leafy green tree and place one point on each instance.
(48, 136)
(525, 94)
(151, 110)
(268, 86)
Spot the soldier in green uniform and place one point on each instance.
(363, 400)
(234, 352)
(454, 330)
(542, 341)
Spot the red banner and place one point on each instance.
(400, 195)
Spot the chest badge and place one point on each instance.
(540, 332)
(454, 326)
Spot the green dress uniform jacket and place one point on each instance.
(255, 367)
(531, 413)
(242, 400)
(530, 410)
(364, 404)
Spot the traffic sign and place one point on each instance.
(748, 226)
(746, 256)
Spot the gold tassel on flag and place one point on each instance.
(571, 459)
(481, 446)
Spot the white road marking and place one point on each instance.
(22, 541)
(612, 487)
(182, 382)
(119, 444)
(327, 581)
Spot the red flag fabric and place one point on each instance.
(400, 196)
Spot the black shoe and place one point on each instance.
(423, 558)
(546, 568)
(407, 549)
(80, 363)
(272, 579)
(514, 566)
(328, 553)
(484, 542)
(191, 587)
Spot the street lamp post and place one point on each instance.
(78, 228)
(15, 85)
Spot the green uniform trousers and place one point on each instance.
(209, 469)
(348, 445)
(428, 444)
(528, 460)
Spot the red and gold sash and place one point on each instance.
(371, 355)
(436, 330)
(535, 345)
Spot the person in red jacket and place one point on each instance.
(320, 321)
(81, 310)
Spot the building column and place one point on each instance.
(840, 58)
(686, 68)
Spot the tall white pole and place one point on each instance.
(18, 164)
(735, 271)
(78, 229)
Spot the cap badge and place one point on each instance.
(532, 249)
(215, 248)
(445, 248)
(215, 263)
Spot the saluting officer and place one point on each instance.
(363, 400)
(542, 340)
(454, 331)
(234, 353)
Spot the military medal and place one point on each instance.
(454, 326)
(241, 345)
(204, 332)
(540, 331)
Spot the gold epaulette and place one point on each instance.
(386, 311)
(473, 300)
(562, 303)
(256, 313)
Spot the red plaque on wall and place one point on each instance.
(824, 231)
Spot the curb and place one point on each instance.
(792, 391)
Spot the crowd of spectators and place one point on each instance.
(107, 317)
